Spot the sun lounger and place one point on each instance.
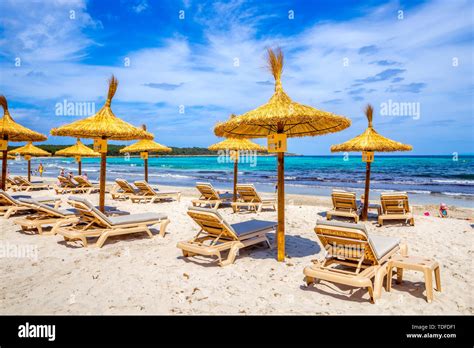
(394, 206)
(86, 184)
(344, 205)
(250, 199)
(353, 257)
(12, 184)
(150, 194)
(93, 223)
(25, 185)
(216, 235)
(44, 215)
(68, 186)
(10, 205)
(210, 196)
(123, 189)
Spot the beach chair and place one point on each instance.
(93, 223)
(10, 205)
(44, 215)
(11, 184)
(217, 236)
(86, 184)
(149, 194)
(123, 189)
(394, 206)
(344, 204)
(68, 186)
(210, 196)
(353, 257)
(250, 199)
(25, 185)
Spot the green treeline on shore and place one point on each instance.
(113, 150)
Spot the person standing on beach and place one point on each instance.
(40, 169)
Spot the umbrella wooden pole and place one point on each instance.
(103, 159)
(4, 168)
(29, 170)
(236, 166)
(146, 169)
(366, 192)
(79, 168)
(281, 207)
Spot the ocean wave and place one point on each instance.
(455, 182)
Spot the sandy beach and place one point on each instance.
(139, 275)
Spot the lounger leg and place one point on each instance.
(378, 282)
(10, 212)
(259, 209)
(371, 294)
(328, 217)
(389, 278)
(437, 279)
(163, 225)
(380, 221)
(399, 275)
(428, 285)
(57, 204)
(412, 221)
(403, 249)
(234, 249)
(40, 229)
(147, 230)
(103, 237)
(309, 280)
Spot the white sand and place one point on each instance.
(138, 275)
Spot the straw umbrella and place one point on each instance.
(12, 131)
(145, 146)
(369, 142)
(278, 119)
(27, 151)
(236, 145)
(103, 126)
(78, 150)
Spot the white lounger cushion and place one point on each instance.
(252, 226)
(136, 218)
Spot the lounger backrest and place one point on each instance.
(346, 240)
(6, 199)
(88, 211)
(125, 186)
(144, 187)
(207, 191)
(394, 203)
(22, 181)
(83, 182)
(248, 193)
(41, 207)
(66, 181)
(11, 181)
(212, 222)
(344, 200)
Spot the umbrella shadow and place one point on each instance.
(295, 247)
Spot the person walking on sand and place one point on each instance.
(40, 169)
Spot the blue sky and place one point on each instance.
(183, 77)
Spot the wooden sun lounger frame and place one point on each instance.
(91, 225)
(69, 188)
(42, 218)
(12, 209)
(149, 194)
(399, 211)
(220, 238)
(209, 196)
(344, 205)
(125, 186)
(249, 198)
(365, 265)
(86, 185)
(12, 184)
(24, 185)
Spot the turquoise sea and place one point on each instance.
(429, 179)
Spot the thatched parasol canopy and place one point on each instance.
(12, 131)
(146, 145)
(78, 149)
(29, 150)
(236, 144)
(369, 142)
(281, 115)
(103, 125)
